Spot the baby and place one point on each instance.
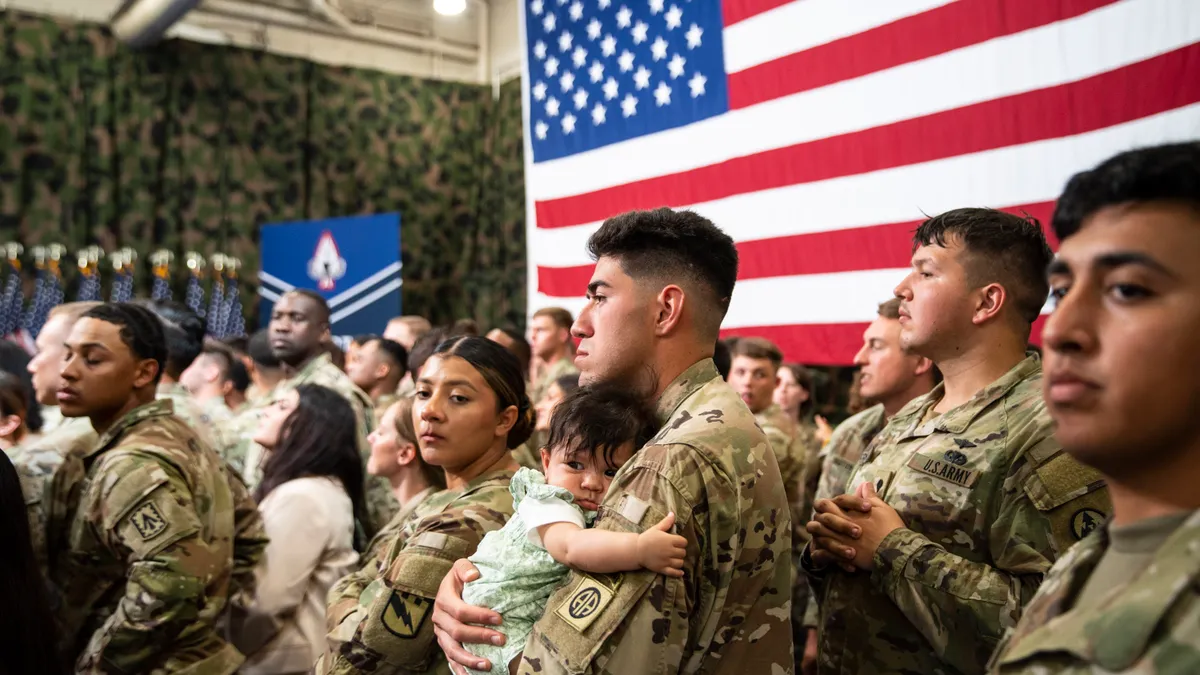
(593, 432)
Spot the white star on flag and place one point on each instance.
(610, 89)
(659, 49)
(674, 17)
(536, 7)
(593, 29)
(598, 114)
(539, 49)
(576, 10)
(596, 71)
(642, 77)
(568, 123)
(540, 129)
(552, 107)
(625, 61)
(581, 97)
(697, 84)
(564, 41)
(693, 36)
(639, 32)
(605, 4)
(567, 81)
(579, 57)
(549, 22)
(629, 106)
(623, 17)
(539, 91)
(662, 94)
(608, 46)
(656, 6)
(551, 67)
(675, 65)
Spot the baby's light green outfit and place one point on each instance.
(517, 575)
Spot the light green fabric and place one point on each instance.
(517, 577)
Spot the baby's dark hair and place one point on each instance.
(599, 419)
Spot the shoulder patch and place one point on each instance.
(405, 613)
(148, 521)
(1060, 480)
(585, 602)
(1085, 521)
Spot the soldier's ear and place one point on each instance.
(144, 373)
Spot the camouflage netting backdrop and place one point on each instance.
(192, 147)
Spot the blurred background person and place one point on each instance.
(377, 367)
(15, 361)
(552, 347)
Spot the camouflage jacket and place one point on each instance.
(849, 441)
(149, 552)
(382, 403)
(553, 371)
(380, 502)
(379, 623)
(712, 466)
(1148, 626)
(36, 464)
(989, 501)
(197, 416)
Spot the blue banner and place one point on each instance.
(354, 263)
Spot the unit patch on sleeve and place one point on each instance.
(148, 521)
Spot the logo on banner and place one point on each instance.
(327, 264)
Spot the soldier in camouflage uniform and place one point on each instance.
(149, 552)
(298, 331)
(550, 341)
(207, 379)
(377, 368)
(662, 284)
(964, 500)
(378, 617)
(1122, 378)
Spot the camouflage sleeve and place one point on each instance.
(393, 633)
(944, 595)
(635, 622)
(150, 521)
(249, 541)
(34, 489)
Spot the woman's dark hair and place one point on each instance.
(804, 379)
(12, 399)
(407, 431)
(319, 438)
(568, 383)
(600, 419)
(502, 373)
(27, 630)
(15, 361)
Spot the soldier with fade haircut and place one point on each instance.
(1123, 386)
(553, 351)
(964, 500)
(661, 287)
(146, 567)
(377, 368)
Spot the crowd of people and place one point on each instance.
(624, 492)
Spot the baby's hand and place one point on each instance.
(660, 551)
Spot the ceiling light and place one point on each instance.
(449, 7)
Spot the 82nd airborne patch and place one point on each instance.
(585, 602)
(404, 614)
(148, 521)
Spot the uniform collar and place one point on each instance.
(158, 408)
(170, 389)
(701, 373)
(957, 420)
(311, 368)
(1117, 637)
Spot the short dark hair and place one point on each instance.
(393, 351)
(520, 346)
(141, 330)
(362, 340)
(757, 348)
(677, 246)
(1002, 248)
(317, 299)
(15, 361)
(259, 350)
(599, 419)
(239, 376)
(1160, 173)
(504, 376)
(424, 347)
(238, 343)
(803, 378)
(561, 317)
(890, 309)
(184, 331)
(223, 357)
(722, 359)
(568, 383)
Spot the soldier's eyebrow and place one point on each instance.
(1127, 258)
(597, 285)
(85, 345)
(450, 383)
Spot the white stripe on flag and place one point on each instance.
(1021, 174)
(1139, 29)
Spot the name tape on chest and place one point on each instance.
(148, 521)
(587, 600)
(945, 467)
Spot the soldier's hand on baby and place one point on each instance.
(660, 551)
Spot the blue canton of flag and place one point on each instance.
(89, 287)
(605, 71)
(194, 295)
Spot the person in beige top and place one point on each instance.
(311, 497)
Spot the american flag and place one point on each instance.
(47, 295)
(194, 295)
(11, 303)
(233, 322)
(818, 133)
(216, 302)
(122, 285)
(161, 288)
(89, 286)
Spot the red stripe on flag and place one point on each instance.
(860, 248)
(944, 29)
(830, 344)
(733, 11)
(1075, 108)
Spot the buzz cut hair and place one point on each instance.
(674, 247)
(322, 306)
(73, 311)
(561, 317)
(758, 348)
(890, 309)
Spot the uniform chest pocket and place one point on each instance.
(938, 493)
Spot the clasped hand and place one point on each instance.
(847, 530)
